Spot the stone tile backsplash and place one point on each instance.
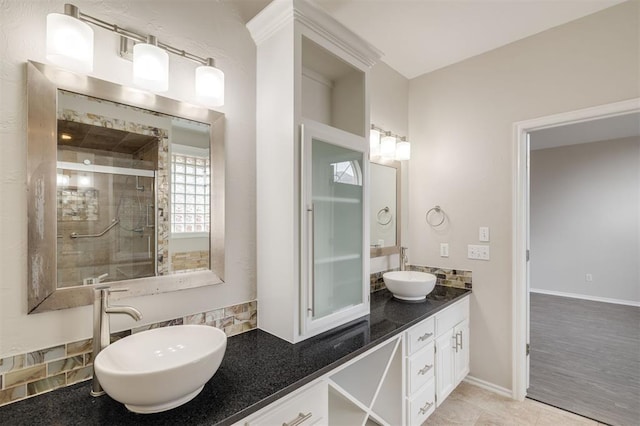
(446, 277)
(36, 372)
(33, 373)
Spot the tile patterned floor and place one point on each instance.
(471, 405)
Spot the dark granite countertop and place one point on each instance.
(257, 369)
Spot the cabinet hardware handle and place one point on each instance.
(424, 369)
(455, 345)
(312, 259)
(298, 420)
(426, 407)
(424, 337)
(459, 333)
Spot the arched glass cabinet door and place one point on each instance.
(334, 228)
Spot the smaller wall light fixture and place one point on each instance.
(384, 144)
(70, 45)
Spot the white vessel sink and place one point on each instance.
(409, 285)
(160, 369)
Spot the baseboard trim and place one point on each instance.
(489, 386)
(585, 297)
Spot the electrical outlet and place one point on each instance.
(478, 252)
(444, 249)
(588, 278)
(483, 234)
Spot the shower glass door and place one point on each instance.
(334, 179)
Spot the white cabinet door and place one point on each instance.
(461, 353)
(445, 367)
(334, 184)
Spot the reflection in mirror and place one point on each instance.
(384, 207)
(114, 221)
(122, 189)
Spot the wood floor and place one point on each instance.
(585, 358)
(469, 405)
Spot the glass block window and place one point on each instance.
(190, 192)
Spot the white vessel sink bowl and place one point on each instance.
(160, 369)
(409, 285)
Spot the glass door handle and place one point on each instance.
(312, 258)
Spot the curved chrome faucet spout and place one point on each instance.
(102, 328)
(129, 310)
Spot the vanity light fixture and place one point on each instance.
(390, 146)
(70, 45)
(374, 141)
(69, 40)
(210, 84)
(150, 66)
(403, 150)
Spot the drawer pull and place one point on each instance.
(459, 333)
(426, 407)
(424, 337)
(298, 420)
(425, 369)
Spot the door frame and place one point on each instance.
(520, 220)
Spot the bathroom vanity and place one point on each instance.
(374, 370)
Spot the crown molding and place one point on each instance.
(282, 12)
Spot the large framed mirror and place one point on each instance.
(126, 188)
(384, 202)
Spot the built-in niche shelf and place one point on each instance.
(369, 391)
(333, 91)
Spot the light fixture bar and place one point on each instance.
(386, 132)
(73, 11)
(389, 145)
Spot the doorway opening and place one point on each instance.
(562, 252)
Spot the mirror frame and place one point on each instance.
(43, 83)
(386, 251)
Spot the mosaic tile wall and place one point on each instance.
(447, 277)
(26, 375)
(190, 260)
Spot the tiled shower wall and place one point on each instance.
(446, 277)
(33, 373)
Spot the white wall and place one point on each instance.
(585, 214)
(460, 122)
(390, 111)
(204, 28)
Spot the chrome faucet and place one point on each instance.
(102, 328)
(403, 258)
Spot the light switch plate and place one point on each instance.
(478, 252)
(444, 249)
(483, 234)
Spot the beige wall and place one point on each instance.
(204, 28)
(390, 111)
(460, 121)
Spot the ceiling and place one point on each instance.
(420, 36)
(604, 129)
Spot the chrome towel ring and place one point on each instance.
(380, 216)
(432, 216)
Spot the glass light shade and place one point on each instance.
(150, 67)
(388, 146)
(403, 151)
(69, 43)
(210, 85)
(374, 142)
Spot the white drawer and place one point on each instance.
(308, 407)
(419, 336)
(420, 369)
(453, 315)
(423, 404)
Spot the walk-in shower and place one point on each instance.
(106, 204)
